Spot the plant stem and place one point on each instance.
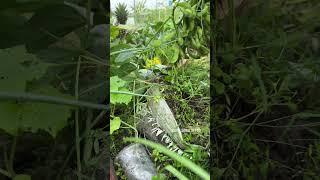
(83, 135)
(77, 120)
(242, 137)
(129, 93)
(11, 158)
(50, 100)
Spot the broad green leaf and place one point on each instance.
(17, 68)
(32, 117)
(116, 82)
(49, 22)
(22, 177)
(126, 69)
(118, 96)
(125, 56)
(115, 124)
(172, 53)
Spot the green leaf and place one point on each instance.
(115, 124)
(120, 97)
(114, 32)
(117, 85)
(22, 177)
(32, 117)
(219, 87)
(156, 43)
(17, 68)
(172, 53)
(116, 82)
(126, 69)
(125, 56)
(57, 20)
(178, 15)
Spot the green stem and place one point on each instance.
(184, 161)
(50, 100)
(83, 135)
(11, 158)
(77, 120)
(129, 93)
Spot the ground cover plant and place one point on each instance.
(53, 77)
(266, 84)
(173, 55)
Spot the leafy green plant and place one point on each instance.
(51, 82)
(148, 55)
(121, 13)
(260, 87)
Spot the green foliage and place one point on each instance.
(192, 23)
(41, 44)
(29, 116)
(149, 54)
(262, 78)
(117, 87)
(121, 13)
(18, 68)
(115, 124)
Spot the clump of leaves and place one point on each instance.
(121, 13)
